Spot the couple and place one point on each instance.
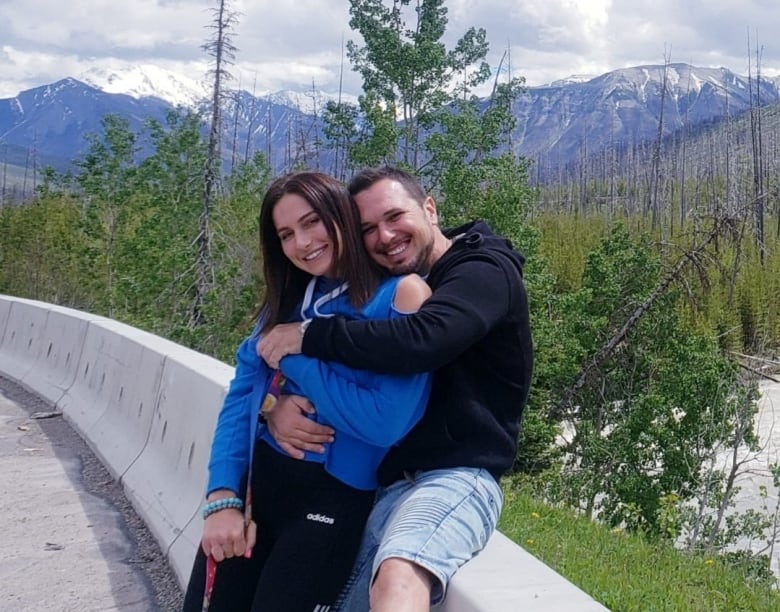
(366, 354)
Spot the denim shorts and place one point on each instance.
(437, 519)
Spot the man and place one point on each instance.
(440, 499)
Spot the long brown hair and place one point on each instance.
(284, 282)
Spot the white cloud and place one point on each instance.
(287, 45)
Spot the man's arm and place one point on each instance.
(293, 431)
(379, 410)
(461, 311)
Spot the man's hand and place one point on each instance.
(292, 430)
(284, 339)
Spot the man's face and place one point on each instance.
(397, 231)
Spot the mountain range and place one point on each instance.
(556, 123)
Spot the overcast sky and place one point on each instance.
(288, 44)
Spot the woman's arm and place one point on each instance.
(230, 447)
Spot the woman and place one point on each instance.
(309, 514)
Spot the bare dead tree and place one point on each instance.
(251, 123)
(340, 144)
(315, 125)
(655, 173)
(583, 178)
(26, 169)
(268, 128)
(5, 175)
(683, 157)
(221, 49)
(236, 114)
(757, 152)
(492, 99)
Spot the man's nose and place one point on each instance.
(386, 234)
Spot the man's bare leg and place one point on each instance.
(401, 586)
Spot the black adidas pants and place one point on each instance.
(309, 526)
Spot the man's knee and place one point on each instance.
(401, 585)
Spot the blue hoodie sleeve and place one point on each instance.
(230, 448)
(380, 410)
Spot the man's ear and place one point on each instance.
(429, 206)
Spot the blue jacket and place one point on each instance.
(370, 412)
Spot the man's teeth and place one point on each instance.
(397, 250)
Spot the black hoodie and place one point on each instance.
(474, 332)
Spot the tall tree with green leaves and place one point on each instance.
(107, 176)
(408, 73)
(160, 255)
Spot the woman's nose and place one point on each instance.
(302, 240)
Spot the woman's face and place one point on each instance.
(304, 239)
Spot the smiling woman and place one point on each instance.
(304, 237)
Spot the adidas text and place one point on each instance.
(320, 518)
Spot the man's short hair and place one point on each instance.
(368, 177)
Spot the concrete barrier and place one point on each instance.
(168, 480)
(55, 367)
(24, 333)
(113, 397)
(148, 406)
(506, 578)
(5, 312)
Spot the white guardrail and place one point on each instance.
(147, 407)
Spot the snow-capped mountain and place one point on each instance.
(52, 121)
(147, 81)
(571, 79)
(556, 123)
(309, 102)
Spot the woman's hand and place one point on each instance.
(224, 531)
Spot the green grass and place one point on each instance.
(625, 572)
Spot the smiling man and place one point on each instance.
(440, 499)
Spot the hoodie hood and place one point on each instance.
(477, 234)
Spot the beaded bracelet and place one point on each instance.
(222, 504)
